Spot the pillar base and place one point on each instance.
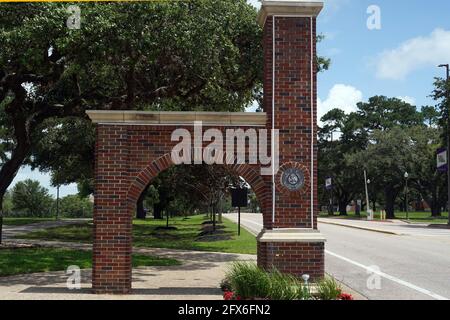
(293, 251)
(112, 291)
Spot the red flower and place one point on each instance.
(345, 296)
(228, 295)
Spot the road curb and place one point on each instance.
(347, 289)
(362, 228)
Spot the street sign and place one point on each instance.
(442, 160)
(329, 183)
(239, 197)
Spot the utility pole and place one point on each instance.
(57, 202)
(447, 66)
(406, 195)
(367, 194)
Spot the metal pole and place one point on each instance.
(57, 202)
(239, 221)
(406, 199)
(367, 193)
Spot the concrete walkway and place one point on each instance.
(198, 278)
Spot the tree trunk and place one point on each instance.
(389, 195)
(343, 207)
(357, 209)
(157, 211)
(435, 206)
(9, 172)
(140, 210)
(214, 219)
(167, 219)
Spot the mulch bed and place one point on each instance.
(209, 235)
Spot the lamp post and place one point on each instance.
(57, 202)
(406, 195)
(367, 182)
(447, 67)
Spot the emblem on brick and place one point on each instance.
(293, 177)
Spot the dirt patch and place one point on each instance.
(208, 234)
(166, 228)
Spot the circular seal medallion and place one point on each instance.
(293, 179)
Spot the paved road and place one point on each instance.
(413, 265)
(12, 231)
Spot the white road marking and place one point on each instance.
(389, 277)
(381, 274)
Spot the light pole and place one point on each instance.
(406, 195)
(367, 182)
(57, 202)
(447, 67)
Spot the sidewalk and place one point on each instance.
(375, 226)
(198, 278)
(390, 227)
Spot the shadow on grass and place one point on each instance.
(167, 291)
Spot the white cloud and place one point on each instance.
(341, 96)
(407, 99)
(414, 54)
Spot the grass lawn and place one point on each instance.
(31, 260)
(415, 217)
(147, 234)
(24, 221)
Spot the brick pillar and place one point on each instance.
(293, 243)
(111, 272)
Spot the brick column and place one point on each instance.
(293, 244)
(111, 272)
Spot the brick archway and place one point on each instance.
(133, 147)
(163, 163)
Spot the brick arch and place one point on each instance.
(164, 162)
(127, 143)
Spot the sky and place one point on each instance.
(398, 58)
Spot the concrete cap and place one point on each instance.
(288, 8)
(291, 236)
(251, 119)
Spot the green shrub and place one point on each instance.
(328, 289)
(248, 281)
(7, 205)
(74, 206)
(286, 287)
(31, 199)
